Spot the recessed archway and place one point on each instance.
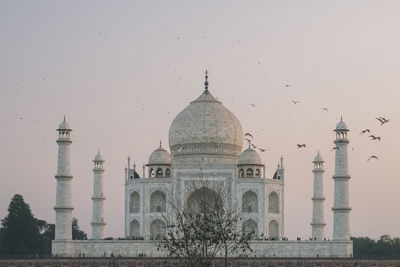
(158, 229)
(134, 202)
(250, 229)
(157, 202)
(249, 202)
(203, 198)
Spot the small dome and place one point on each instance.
(341, 126)
(98, 158)
(64, 125)
(318, 158)
(249, 157)
(160, 156)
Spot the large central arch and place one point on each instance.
(203, 198)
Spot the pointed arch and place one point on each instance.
(249, 172)
(157, 202)
(134, 228)
(274, 229)
(168, 173)
(241, 173)
(273, 203)
(250, 229)
(134, 202)
(203, 198)
(249, 202)
(158, 229)
(159, 173)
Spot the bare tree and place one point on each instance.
(204, 226)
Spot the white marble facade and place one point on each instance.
(206, 145)
(206, 142)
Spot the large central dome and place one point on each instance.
(205, 127)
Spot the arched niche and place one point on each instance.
(249, 202)
(274, 229)
(203, 198)
(158, 229)
(159, 173)
(157, 202)
(249, 172)
(273, 203)
(250, 229)
(134, 202)
(134, 228)
(168, 173)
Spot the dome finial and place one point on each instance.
(160, 143)
(206, 82)
(64, 118)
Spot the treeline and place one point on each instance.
(384, 247)
(23, 235)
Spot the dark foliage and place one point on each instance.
(384, 247)
(77, 234)
(22, 235)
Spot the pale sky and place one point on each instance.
(122, 70)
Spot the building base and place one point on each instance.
(148, 248)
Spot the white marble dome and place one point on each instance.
(341, 126)
(318, 158)
(99, 157)
(160, 156)
(249, 157)
(64, 125)
(205, 127)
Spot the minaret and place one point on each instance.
(98, 199)
(318, 221)
(63, 206)
(341, 209)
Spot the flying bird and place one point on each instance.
(287, 85)
(248, 134)
(382, 120)
(323, 108)
(301, 145)
(261, 149)
(180, 149)
(248, 140)
(293, 101)
(253, 105)
(365, 131)
(253, 146)
(372, 157)
(373, 137)
(334, 148)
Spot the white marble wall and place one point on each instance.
(318, 215)
(145, 187)
(63, 208)
(130, 248)
(341, 208)
(98, 198)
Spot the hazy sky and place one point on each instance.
(122, 70)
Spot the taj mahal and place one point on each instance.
(205, 142)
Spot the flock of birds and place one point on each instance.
(382, 120)
(373, 137)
